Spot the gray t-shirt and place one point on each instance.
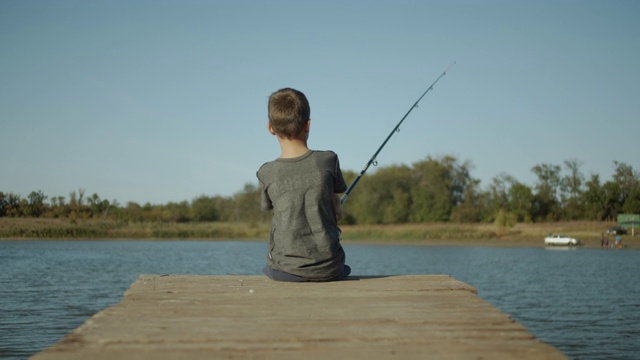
(304, 237)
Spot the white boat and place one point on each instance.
(560, 240)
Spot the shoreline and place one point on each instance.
(431, 234)
(628, 243)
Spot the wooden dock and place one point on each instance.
(252, 317)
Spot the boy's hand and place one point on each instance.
(337, 207)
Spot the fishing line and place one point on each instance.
(396, 129)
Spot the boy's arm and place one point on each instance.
(338, 207)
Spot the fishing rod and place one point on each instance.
(373, 160)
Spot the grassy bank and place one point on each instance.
(588, 232)
(440, 233)
(450, 231)
(99, 229)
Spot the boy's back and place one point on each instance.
(304, 238)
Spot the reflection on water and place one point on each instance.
(585, 302)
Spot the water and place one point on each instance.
(585, 302)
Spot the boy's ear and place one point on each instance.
(271, 131)
(307, 126)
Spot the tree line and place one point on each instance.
(436, 189)
(236, 208)
(442, 189)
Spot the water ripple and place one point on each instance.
(584, 302)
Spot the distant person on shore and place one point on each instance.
(602, 240)
(301, 187)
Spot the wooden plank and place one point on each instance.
(230, 317)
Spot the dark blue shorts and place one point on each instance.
(283, 276)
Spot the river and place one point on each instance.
(585, 302)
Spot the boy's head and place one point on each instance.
(289, 112)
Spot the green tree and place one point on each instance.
(612, 194)
(505, 219)
(245, 206)
(627, 179)
(439, 186)
(36, 206)
(571, 184)
(545, 206)
(98, 207)
(13, 204)
(459, 178)
(474, 206)
(203, 208)
(58, 207)
(132, 212)
(509, 199)
(431, 199)
(224, 206)
(347, 209)
(178, 212)
(521, 200)
(76, 204)
(632, 202)
(4, 205)
(594, 199)
(383, 197)
(397, 207)
(498, 194)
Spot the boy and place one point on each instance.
(301, 187)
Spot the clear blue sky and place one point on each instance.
(158, 101)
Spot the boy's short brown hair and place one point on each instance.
(288, 112)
